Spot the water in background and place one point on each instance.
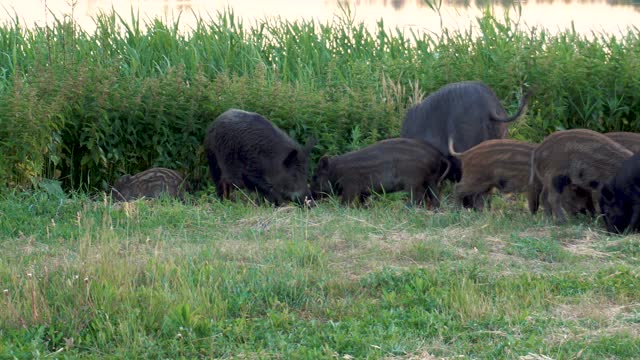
(611, 16)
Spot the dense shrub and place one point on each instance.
(88, 107)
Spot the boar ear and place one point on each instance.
(311, 142)
(291, 158)
(124, 179)
(606, 193)
(323, 164)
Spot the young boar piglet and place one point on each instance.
(502, 164)
(150, 183)
(620, 198)
(579, 157)
(246, 150)
(505, 165)
(390, 165)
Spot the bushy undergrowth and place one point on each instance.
(87, 107)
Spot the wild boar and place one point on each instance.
(150, 183)
(579, 157)
(630, 140)
(387, 166)
(469, 112)
(620, 198)
(502, 164)
(246, 150)
(505, 165)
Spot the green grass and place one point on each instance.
(88, 278)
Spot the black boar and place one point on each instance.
(246, 150)
(469, 112)
(579, 157)
(389, 165)
(620, 198)
(150, 183)
(503, 164)
(629, 140)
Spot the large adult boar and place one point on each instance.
(246, 150)
(151, 183)
(630, 140)
(387, 166)
(469, 112)
(620, 198)
(582, 158)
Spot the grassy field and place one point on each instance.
(84, 278)
(87, 278)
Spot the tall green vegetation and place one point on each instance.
(86, 107)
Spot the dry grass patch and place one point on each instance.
(536, 232)
(611, 319)
(422, 355)
(586, 245)
(597, 309)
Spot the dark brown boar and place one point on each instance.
(579, 157)
(468, 111)
(390, 165)
(629, 140)
(501, 164)
(620, 198)
(150, 183)
(246, 150)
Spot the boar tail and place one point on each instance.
(446, 171)
(451, 150)
(532, 168)
(522, 109)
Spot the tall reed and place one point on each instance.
(86, 107)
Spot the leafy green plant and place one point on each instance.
(85, 107)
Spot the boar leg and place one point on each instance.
(555, 199)
(417, 194)
(544, 197)
(263, 188)
(349, 195)
(363, 197)
(224, 189)
(462, 197)
(634, 224)
(432, 195)
(481, 200)
(533, 196)
(216, 175)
